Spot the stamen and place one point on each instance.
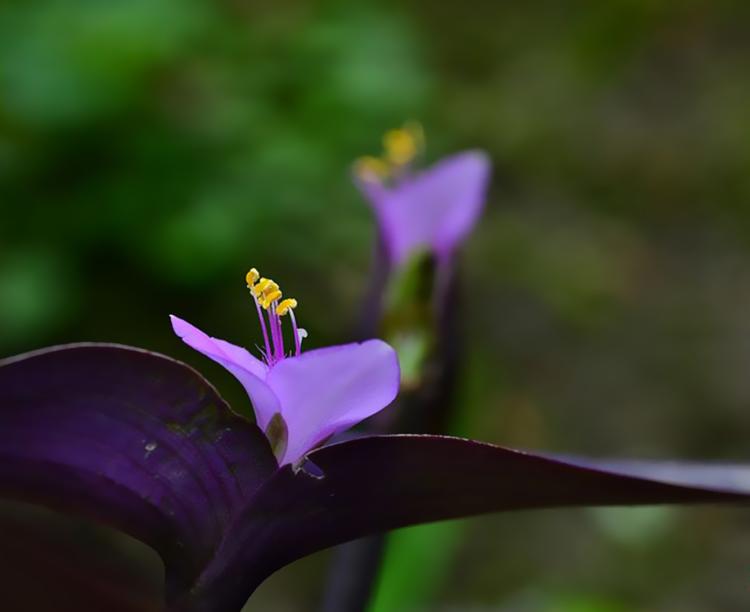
(264, 284)
(286, 306)
(400, 147)
(295, 332)
(263, 327)
(266, 295)
(252, 277)
(370, 168)
(403, 145)
(278, 336)
(269, 297)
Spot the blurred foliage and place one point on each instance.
(164, 146)
(152, 150)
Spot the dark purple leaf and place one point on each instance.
(144, 443)
(135, 440)
(378, 483)
(49, 561)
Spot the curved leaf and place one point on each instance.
(384, 482)
(132, 439)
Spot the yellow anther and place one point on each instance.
(285, 306)
(264, 285)
(401, 146)
(251, 277)
(369, 168)
(269, 297)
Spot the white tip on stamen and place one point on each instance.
(301, 334)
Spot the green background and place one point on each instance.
(151, 151)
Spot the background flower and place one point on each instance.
(422, 210)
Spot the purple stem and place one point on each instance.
(351, 590)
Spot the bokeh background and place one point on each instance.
(152, 150)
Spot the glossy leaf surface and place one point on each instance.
(132, 439)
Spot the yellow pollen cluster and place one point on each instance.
(400, 147)
(252, 277)
(285, 306)
(371, 167)
(267, 293)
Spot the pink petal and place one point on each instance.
(325, 391)
(251, 372)
(435, 210)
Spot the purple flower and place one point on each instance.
(433, 210)
(303, 399)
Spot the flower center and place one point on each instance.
(400, 147)
(271, 309)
